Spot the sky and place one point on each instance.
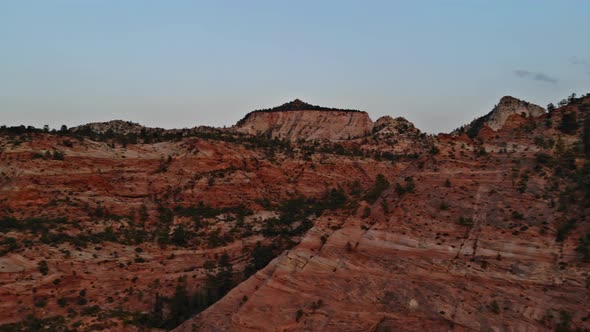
(177, 64)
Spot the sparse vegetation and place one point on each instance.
(381, 184)
(465, 221)
(554, 170)
(407, 188)
(495, 307)
(43, 267)
(564, 228)
(569, 123)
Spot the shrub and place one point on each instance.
(298, 315)
(40, 302)
(355, 188)
(543, 158)
(466, 221)
(584, 247)
(58, 155)
(564, 228)
(366, 212)
(381, 184)
(495, 307)
(179, 236)
(517, 215)
(569, 123)
(565, 319)
(43, 267)
(62, 302)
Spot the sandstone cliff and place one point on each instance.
(511, 106)
(301, 121)
(391, 231)
(495, 119)
(474, 245)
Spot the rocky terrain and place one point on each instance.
(298, 120)
(300, 218)
(496, 119)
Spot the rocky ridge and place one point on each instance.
(497, 117)
(408, 266)
(119, 127)
(297, 120)
(390, 230)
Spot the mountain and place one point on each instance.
(497, 117)
(297, 120)
(475, 239)
(365, 226)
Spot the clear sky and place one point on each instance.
(185, 63)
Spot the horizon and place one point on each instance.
(184, 64)
(374, 119)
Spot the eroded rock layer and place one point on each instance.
(345, 225)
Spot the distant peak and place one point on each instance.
(497, 117)
(511, 105)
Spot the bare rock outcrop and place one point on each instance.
(511, 106)
(497, 117)
(301, 121)
(388, 126)
(220, 231)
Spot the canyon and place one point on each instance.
(300, 218)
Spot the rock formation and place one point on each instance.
(497, 117)
(346, 225)
(511, 106)
(297, 120)
(114, 126)
(458, 252)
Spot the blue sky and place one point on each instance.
(186, 63)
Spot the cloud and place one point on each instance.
(584, 63)
(535, 76)
(580, 61)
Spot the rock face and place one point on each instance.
(301, 121)
(511, 106)
(402, 231)
(388, 126)
(468, 249)
(495, 119)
